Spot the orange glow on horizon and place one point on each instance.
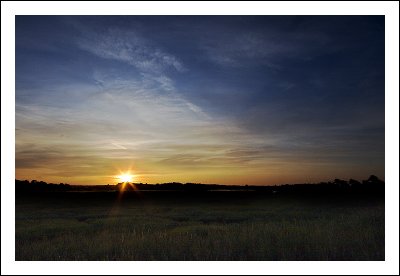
(125, 177)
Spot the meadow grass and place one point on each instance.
(268, 229)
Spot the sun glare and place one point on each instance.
(125, 177)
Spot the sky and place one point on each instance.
(257, 100)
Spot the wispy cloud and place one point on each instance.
(125, 119)
(266, 48)
(130, 48)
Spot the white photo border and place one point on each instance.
(388, 8)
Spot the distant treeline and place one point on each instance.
(373, 185)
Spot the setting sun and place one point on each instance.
(125, 177)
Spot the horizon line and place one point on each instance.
(198, 183)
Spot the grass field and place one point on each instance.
(86, 226)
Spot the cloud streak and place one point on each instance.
(259, 48)
(130, 48)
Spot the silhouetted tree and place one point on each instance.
(340, 183)
(353, 182)
(374, 180)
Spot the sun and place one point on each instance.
(126, 177)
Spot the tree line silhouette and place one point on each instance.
(373, 185)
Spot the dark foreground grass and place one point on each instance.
(148, 227)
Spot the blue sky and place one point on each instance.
(212, 99)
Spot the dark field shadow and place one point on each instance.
(203, 225)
